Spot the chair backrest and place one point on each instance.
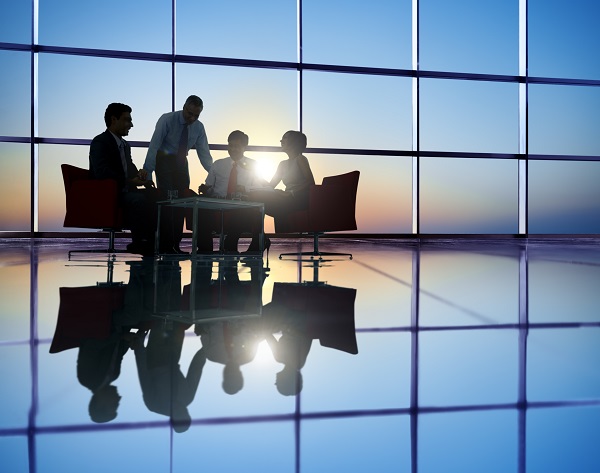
(326, 312)
(332, 206)
(90, 203)
(85, 313)
(72, 174)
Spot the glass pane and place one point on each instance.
(469, 442)
(467, 367)
(564, 197)
(469, 36)
(95, 451)
(564, 119)
(14, 294)
(75, 91)
(561, 364)
(563, 439)
(15, 187)
(15, 93)
(136, 26)
(264, 108)
(16, 22)
(470, 116)
(327, 390)
(384, 198)
(357, 33)
(15, 453)
(483, 288)
(356, 445)
(563, 38)
(468, 196)
(261, 29)
(357, 111)
(16, 395)
(563, 286)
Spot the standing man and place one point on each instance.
(110, 158)
(175, 134)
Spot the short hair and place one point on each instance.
(297, 139)
(115, 110)
(194, 100)
(239, 135)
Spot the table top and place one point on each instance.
(201, 202)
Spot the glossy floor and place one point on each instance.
(431, 356)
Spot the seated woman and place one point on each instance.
(296, 175)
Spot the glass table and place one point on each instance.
(208, 203)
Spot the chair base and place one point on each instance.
(315, 253)
(111, 250)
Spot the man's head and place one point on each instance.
(104, 404)
(118, 119)
(192, 108)
(293, 142)
(237, 142)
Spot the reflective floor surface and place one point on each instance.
(430, 356)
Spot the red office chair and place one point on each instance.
(92, 203)
(331, 207)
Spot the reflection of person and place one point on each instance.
(296, 175)
(110, 158)
(98, 366)
(175, 134)
(291, 349)
(166, 390)
(227, 178)
(232, 343)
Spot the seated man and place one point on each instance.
(228, 178)
(110, 158)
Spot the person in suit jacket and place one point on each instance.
(110, 158)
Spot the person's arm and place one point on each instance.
(203, 150)
(209, 185)
(306, 172)
(160, 131)
(276, 179)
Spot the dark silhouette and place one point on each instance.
(175, 134)
(110, 158)
(232, 178)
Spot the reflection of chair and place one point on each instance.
(328, 312)
(331, 207)
(92, 203)
(85, 313)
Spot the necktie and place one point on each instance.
(232, 184)
(183, 142)
(122, 153)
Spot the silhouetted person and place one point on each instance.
(230, 178)
(296, 175)
(175, 134)
(110, 158)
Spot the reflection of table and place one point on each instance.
(208, 203)
(205, 299)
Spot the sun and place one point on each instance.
(265, 169)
